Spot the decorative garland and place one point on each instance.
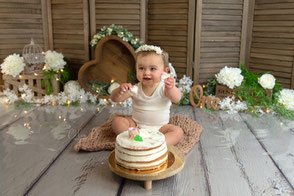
(118, 31)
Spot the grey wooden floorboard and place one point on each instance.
(83, 173)
(277, 137)
(251, 156)
(234, 158)
(190, 181)
(10, 114)
(29, 145)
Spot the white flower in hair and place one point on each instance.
(146, 47)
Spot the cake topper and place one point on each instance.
(134, 134)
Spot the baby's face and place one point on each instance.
(149, 68)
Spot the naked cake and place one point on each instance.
(141, 149)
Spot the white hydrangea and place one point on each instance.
(185, 84)
(230, 77)
(27, 93)
(9, 97)
(146, 47)
(83, 96)
(267, 81)
(232, 106)
(62, 98)
(54, 61)
(13, 65)
(102, 102)
(72, 90)
(92, 98)
(286, 98)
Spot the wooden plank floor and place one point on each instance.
(236, 155)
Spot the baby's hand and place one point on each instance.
(125, 87)
(169, 82)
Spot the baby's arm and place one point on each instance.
(121, 93)
(171, 91)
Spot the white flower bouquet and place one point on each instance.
(13, 65)
(230, 77)
(54, 61)
(267, 81)
(72, 89)
(286, 98)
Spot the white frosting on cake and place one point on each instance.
(140, 165)
(151, 139)
(149, 153)
(144, 156)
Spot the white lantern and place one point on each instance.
(33, 57)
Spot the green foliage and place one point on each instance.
(185, 99)
(282, 111)
(118, 31)
(210, 87)
(256, 96)
(65, 75)
(23, 105)
(98, 87)
(132, 78)
(49, 75)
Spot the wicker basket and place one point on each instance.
(34, 82)
(114, 59)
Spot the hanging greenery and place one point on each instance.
(118, 31)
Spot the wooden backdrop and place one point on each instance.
(271, 39)
(201, 36)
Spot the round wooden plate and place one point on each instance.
(176, 161)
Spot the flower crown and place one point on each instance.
(146, 47)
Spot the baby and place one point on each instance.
(152, 96)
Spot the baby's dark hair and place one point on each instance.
(164, 55)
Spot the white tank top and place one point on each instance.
(151, 110)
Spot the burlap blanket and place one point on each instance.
(103, 138)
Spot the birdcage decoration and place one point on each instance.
(33, 57)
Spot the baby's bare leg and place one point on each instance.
(121, 124)
(173, 134)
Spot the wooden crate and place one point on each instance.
(223, 91)
(34, 82)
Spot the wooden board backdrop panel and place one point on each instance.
(70, 30)
(19, 22)
(220, 36)
(272, 41)
(171, 26)
(128, 13)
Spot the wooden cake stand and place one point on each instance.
(175, 164)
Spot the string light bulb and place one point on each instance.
(35, 74)
(112, 81)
